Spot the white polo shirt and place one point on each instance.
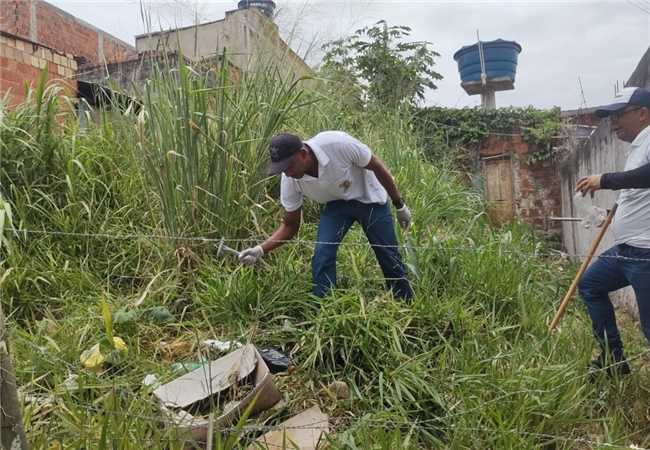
(341, 174)
(631, 224)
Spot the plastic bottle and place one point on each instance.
(592, 216)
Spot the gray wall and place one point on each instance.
(249, 37)
(601, 153)
(130, 76)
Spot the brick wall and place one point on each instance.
(52, 27)
(22, 61)
(536, 185)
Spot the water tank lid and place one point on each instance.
(494, 43)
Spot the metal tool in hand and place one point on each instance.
(222, 249)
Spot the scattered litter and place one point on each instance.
(150, 380)
(592, 215)
(595, 218)
(277, 362)
(187, 366)
(100, 354)
(302, 432)
(221, 346)
(234, 381)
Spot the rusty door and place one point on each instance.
(497, 176)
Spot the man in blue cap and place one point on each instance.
(337, 170)
(628, 262)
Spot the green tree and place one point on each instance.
(386, 68)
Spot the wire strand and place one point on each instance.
(439, 245)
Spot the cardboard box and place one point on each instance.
(306, 431)
(198, 386)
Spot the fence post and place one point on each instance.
(12, 434)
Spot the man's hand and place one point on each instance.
(588, 185)
(404, 217)
(251, 256)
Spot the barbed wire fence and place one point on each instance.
(363, 421)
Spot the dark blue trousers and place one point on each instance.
(612, 271)
(377, 222)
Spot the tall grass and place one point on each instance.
(467, 365)
(203, 138)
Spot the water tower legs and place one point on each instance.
(488, 99)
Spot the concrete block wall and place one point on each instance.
(22, 61)
(41, 22)
(601, 153)
(249, 37)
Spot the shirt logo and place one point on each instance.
(345, 185)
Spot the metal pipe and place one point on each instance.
(566, 219)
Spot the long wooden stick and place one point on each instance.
(583, 267)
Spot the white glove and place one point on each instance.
(404, 217)
(251, 256)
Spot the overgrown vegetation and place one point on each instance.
(381, 67)
(467, 365)
(458, 129)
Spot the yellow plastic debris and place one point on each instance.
(94, 359)
(119, 344)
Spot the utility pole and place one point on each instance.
(12, 434)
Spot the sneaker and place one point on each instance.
(614, 364)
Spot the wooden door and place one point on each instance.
(497, 181)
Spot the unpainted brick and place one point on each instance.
(10, 53)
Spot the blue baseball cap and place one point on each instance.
(628, 96)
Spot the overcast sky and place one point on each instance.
(596, 42)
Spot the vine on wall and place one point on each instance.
(464, 129)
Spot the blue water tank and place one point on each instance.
(500, 65)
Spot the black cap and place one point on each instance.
(627, 97)
(282, 148)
